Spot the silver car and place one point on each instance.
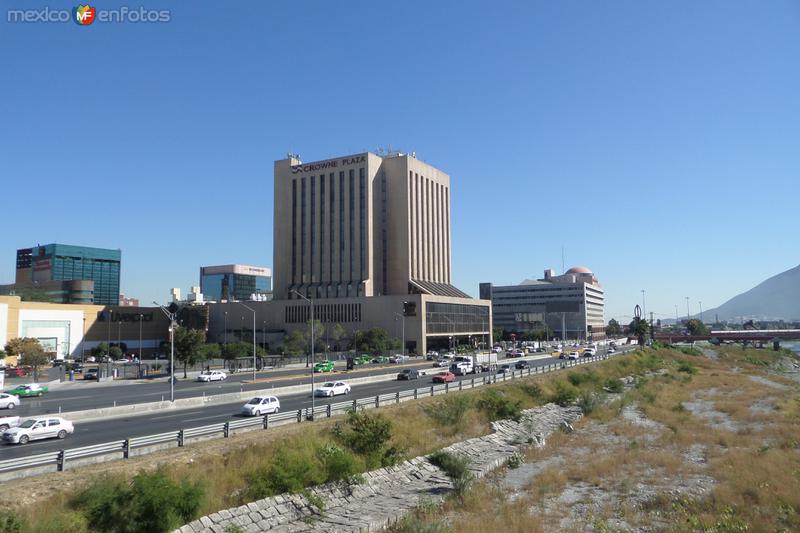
(8, 401)
(33, 429)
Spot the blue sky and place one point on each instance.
(657, 142)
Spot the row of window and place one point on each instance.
(430, 228)
(325, 313)
(313, 268)
(455, 318)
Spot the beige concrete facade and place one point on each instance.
(433, 324)
(359, 225)
(72, 329)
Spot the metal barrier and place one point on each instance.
(61, 458)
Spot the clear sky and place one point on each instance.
(657, 142)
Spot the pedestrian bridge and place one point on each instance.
(752, 335)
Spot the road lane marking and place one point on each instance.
(184, 413)
(63, 399)
(207, 417)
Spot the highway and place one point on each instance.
(83, 395)
(114, 429)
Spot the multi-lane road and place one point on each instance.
(122, 427)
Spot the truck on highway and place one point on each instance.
(471, 364)
(484, 361)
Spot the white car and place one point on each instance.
(261, 405)
(8, 422)
(589, 352)
(333, 388)
(573, 355)
(33, 429)
(213, 375)
(91, 359)
(8, 401)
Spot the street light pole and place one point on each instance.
(108, 344)
(172, 326)
(225, 333)
(688, 316)
(254, 337)
(403, 329)
(83, 343)
(311, 302)
(141, 316)
(644, 307)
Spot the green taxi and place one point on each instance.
(26, 391)
(362, 360)
(324, 366)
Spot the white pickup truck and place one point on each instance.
(8, 422)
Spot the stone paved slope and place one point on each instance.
(389, 493)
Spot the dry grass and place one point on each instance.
(756, 468)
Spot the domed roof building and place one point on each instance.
(570, 305)
(578, 270)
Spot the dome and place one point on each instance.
(579, 270)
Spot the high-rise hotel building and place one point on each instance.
(362, 225)
(362, 235)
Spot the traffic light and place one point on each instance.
(409, 308)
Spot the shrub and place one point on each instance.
(515, 461)
(690, 350)
(565, 394)
(289, 470)
(456, 468)
(686, 366)
(62, 522)
(614, 385)
(533, 390)
(497, 406)
(150, 502)
(451, 412)
(588, 402)
(338, 464)
(581, 378)
(368, 435)
(11, 523)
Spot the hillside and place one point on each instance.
(776, 298)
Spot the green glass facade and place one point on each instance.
(62, 262)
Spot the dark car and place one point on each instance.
(75, 367)
(520, 365)
(92, 373)
(408, 374)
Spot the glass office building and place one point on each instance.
(62, 263)
(234, 282)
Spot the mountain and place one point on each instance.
(774, 299)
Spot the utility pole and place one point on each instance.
(311, 302)
(172, 325)
(644, 307)
(688, 315)
(254, 336)
(402, 318)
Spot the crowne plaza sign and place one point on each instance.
(331, 163)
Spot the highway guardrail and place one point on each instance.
(124, 449)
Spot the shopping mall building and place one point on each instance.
(72, 330)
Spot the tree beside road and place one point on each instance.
(29, 352)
